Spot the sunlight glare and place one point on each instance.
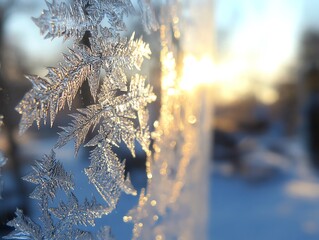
(196, 72)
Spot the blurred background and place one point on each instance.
(265, 154)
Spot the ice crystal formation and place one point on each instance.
(60, 222)
(104, 58)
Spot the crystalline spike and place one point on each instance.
(107, 175)
(81, 125)
(128, 187)
(132, 37)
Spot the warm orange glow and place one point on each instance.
(196, 72)
(232, 80)
(268, 96)
(169, 72)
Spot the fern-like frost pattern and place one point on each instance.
(103, 57)
(72, 21)
(49, 95)
(59, 222)
(107, 174)
(49, 175)
(25, 228)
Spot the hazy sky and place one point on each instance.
(252, 30)
(22, 32)
(265, 33)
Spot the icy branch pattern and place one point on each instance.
(61, 222)
(49, 175)
(104, 58)
(72, 21)
(116, 115)
(49, 95)
(56, 222)
(25, 228)
(107, 174)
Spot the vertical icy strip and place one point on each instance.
(174, 206)
(3, 161)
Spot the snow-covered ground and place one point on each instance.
(282, 204)
(274, 196)
(278, 209)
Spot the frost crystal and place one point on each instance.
(116, 113)
(107, 174)
(104, 58)
(72, 21)
(25, 228)
(74, 214)
(49, 95)
(59, 222)
(49, 175)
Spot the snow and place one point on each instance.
(245, 210)
(282, 205)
